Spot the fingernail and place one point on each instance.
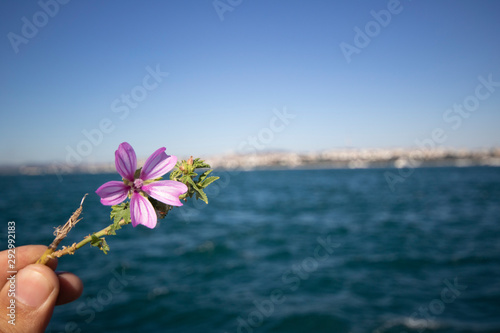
(33, 288)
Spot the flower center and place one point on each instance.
(137, 185)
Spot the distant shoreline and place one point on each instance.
(331, 159)
(360, 159)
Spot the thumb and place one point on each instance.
(35, 294)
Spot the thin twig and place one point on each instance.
(87, 239)
(61, 232)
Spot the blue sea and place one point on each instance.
(282, 251)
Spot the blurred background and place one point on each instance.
(318, 249)
(222, 67)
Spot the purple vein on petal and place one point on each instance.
(112, 193)
(166, 191)
(157, 165)
(126, 161)
(142, 212)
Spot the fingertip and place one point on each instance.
(35, 285)
(71, 287)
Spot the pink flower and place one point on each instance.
(138, 189)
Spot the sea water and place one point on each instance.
(282, 251)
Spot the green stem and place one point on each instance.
(71, 249)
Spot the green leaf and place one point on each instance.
(204, 181)
(191, 182)
(209, 181)
(184, 172)
(137, 173)
(95, 241)
(176, 174)
(99, 243)
(121, 211)
(200, 164)
(201, 195)
(118, 213)
(204, 175)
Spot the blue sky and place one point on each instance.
(231, 69)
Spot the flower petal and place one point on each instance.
(157, 165)
(142, 212)
(166, 191)
(112, 193)
(126, 161)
